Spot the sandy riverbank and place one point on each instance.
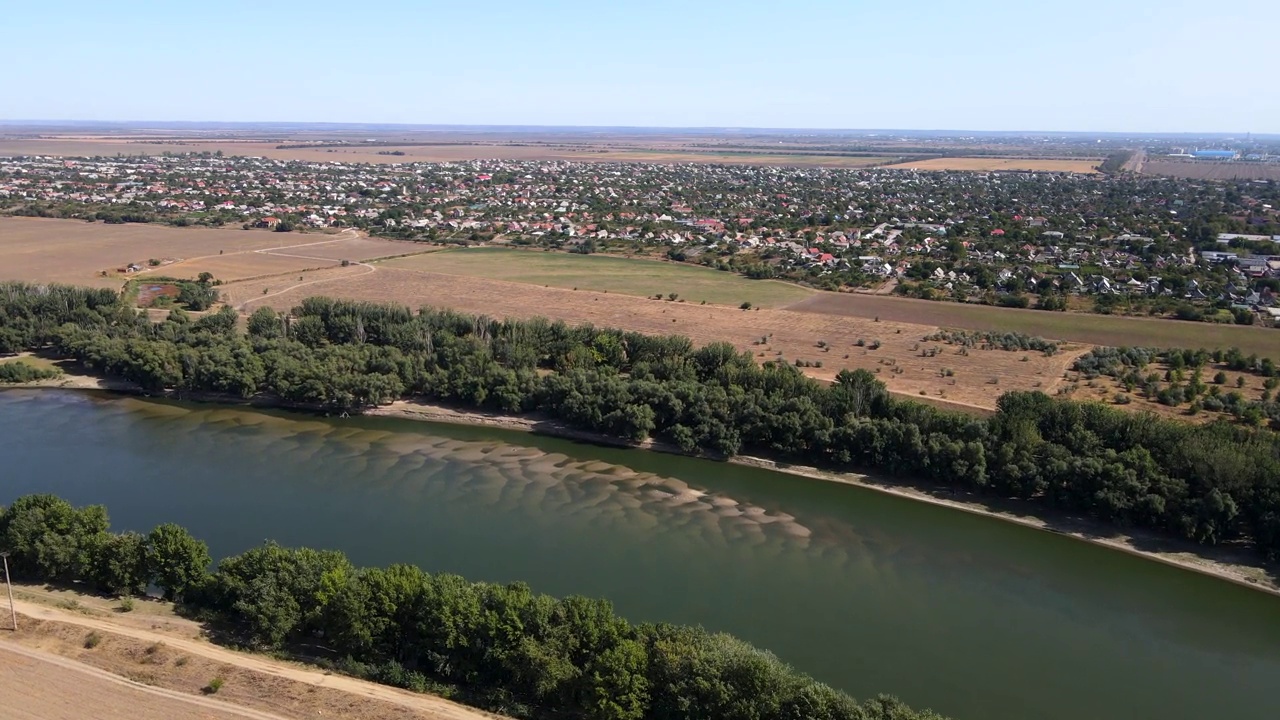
(1226, 564)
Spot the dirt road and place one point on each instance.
(177, 640)
(36, 685)
(243, 307)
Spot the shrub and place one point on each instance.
(214, 686)
(92, 640)
(22, 372)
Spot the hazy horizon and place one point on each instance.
(248, 125)
(1091, 66)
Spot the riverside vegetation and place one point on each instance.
(499, 646)
(1211, 483)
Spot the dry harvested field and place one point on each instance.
(1201, 170)
(37, 686)
(152, 664)
(978, 379)
(985, 164)
(1075, 327)
(481, 150)
(69, 251)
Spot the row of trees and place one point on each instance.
(51, 541)
(1209, 483)
(502, 646)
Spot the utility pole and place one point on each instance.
(13, 611)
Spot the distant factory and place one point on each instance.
(1207, 154)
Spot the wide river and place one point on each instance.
(975, 618)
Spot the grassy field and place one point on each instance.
(1076, 327)
(985, 164)
(644, 278)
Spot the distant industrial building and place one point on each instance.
(1215, 154)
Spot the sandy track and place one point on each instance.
(427, 705)
(36, 685)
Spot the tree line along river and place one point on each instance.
(973, 617)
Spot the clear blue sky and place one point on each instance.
(1089, 65)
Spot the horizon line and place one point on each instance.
(161, 124)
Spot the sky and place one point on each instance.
(1083, 65)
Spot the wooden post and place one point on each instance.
(13, 611)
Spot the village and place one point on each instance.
(1055, 241)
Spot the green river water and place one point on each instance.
(973, 617)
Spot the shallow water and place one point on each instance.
(973, 617)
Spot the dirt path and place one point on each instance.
(36, 685)
(271, 251)
(431, 706)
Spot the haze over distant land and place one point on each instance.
(999, 65)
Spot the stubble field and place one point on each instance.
(494, 149)
(1202, 170)
(69, 251)
(992, 164)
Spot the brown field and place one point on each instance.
(986, 164)
(979, 378)
(480, 150)
(1086, 328)
(1201, 170)
(150, 663)
(39, 687)
(70, 251)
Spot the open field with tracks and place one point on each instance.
(1204, 170)
(644, 278)
(1076, 327)
(902, 359)
(69, 251)
(992, 164)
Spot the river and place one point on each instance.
(973, 617)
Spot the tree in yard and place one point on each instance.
(178, 560)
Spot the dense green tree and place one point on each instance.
(177, 561)
(119, 564)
